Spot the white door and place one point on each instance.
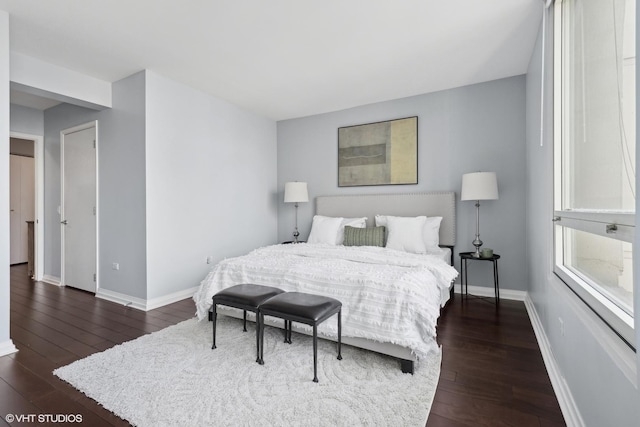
(78, 210)
(15, 256)
(22, 205)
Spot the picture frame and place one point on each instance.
(380, 153)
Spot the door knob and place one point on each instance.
(63, 222)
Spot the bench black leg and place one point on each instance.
(315, 353)
(340, 334)
(244, 315)
(258, 336)
(286, 331)
(214, 316)
(261, 339)
(406, 366)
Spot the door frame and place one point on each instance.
(38, 241)
(88, 125)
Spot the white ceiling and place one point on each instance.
(285, 58)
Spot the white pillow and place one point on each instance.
(431, 230)
(324, 229)
(431, 233)
(406, 234)
(351, 222)
(381, 220)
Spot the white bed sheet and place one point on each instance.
(445, 255)
(388, 296)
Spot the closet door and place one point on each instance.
(21, 206)
(27, 201)
(15, 255)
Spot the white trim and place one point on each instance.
(171, 298)
(97, 203)
(614, 316)
(38, 154)
(122, 299)
(565, 399)
(484, 291)
(142, 304)
(7, 347)
(627, 219)
(88, 125)
(52, 280)
(598, 223)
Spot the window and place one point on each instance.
(594, 155)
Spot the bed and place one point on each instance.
(391, 298)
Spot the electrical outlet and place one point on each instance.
(561, 326)
(115, 266)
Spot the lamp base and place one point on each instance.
(477, 243)
(295, 230)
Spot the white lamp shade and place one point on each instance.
(479, 186)
(295, 192)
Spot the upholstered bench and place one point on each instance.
(245, 297)
(303, 308)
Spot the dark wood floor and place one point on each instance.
(492, 370)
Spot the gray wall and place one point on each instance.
(636, 243)
(122, 189)
(182, 176)
(5, 341)
(211, 183)
(27, 120)
(121, 133)
(588, 355)
(473, 128)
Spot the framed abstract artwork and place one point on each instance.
(382, 153)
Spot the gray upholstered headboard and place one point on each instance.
(413, 204)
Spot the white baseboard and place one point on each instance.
(52, 280)
(123, 299)
(171, 298)
(563, 393)
(7, 347)
(143, 304)
(483, 291)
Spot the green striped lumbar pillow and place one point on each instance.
(371, 236)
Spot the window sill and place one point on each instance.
(613, 316)
(621, 353)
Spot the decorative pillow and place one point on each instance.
(351, 222)
(431, 233)
(406, 234)
(358, 236)
(324, 229)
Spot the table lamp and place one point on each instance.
(479, 186)
(296, 192)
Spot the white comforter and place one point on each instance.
(387, 295)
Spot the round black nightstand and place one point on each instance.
(464, 257)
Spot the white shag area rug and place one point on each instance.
(173, 377)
